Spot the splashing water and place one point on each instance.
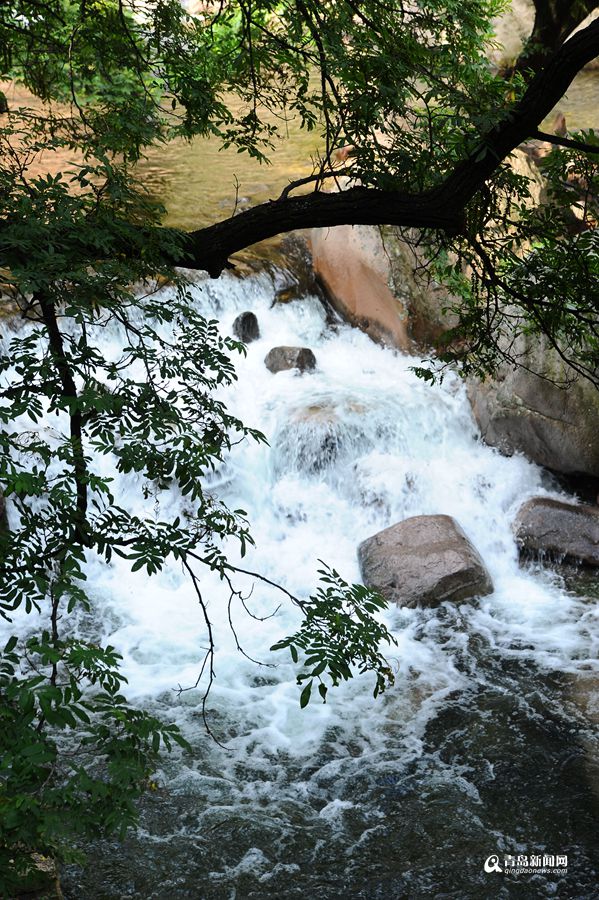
(483, 743)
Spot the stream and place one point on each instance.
(487, 743)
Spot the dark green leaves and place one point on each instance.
(339, 634)
(525, 275)
(117, 748)
(305, 695)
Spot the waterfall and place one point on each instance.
(402, 796)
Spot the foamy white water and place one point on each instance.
(355, 446)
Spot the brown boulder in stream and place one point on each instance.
(423, 561)
(558, 529)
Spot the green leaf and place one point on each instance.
(305, 695)
(11, 644)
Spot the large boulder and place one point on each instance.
(511, 31)
(555, 426)
(559, 530)
(245, 327)
(352, 264)
(377, 279)
(423, 561)
(280, 358)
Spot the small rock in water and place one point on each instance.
(423, 561)
(245, 327)
(280, 358)
(562, 530)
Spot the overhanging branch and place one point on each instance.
(555, 21)
(442, 208)
(209, 248)
(566, 142)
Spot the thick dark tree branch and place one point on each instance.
(524, 118)
(69, 395)
(565, 142)
(442, 208)
(555, 20)
(209, 248)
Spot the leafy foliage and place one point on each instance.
(339, 632)
(82, 252)
(53, 790)
(409, 87)
(529, 271)
(75, 754)
(406, 84)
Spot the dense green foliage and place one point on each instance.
(339, 632)
(54, 788)
(81, 251)
(530, 272)
(410, 88)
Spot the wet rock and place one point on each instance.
(423, 561)
(288, 294)
(42, 881)
(547, 416)
(245, 327)
(560, 530)
(315, 438)
(281, 358)
(379, 280)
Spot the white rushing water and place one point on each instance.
(355, 446)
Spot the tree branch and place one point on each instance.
(441, 208)
(210, 248)
(555, 20)
(566, 142)
(69, 395)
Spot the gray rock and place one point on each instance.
(313, 438)
(554, 426)
(558, 529)
(280, 358)
(423, 561)
(245, 327)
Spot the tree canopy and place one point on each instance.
(408, 86)
(431, 123)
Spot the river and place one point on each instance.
(487, 743)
